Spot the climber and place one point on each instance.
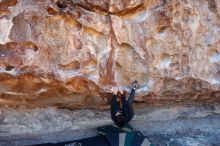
(122, 113)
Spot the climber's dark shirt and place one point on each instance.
(126, 109)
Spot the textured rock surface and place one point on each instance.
(65, 53)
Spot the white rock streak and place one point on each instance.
(5, 26)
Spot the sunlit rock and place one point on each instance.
(66, 53)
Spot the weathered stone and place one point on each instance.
(65, 53)
(5, 5)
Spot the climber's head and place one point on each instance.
(119, 95)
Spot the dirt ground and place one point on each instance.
(164, 126)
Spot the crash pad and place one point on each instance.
(125, 136)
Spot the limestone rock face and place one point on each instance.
(66, 53)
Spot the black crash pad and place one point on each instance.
(125, 136)
(92, 141)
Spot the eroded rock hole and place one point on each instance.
(165, 61)
(214, 56)
(51, 11)
(32, 46)
(185, 15)
(8, 67)
(118, 65)
(61, 4)
(92, 64)
(161, 29)
(77, 44)
(77, 14)
(74, 65)
(212, 5)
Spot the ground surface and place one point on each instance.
(171, 126)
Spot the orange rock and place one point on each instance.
(65, 53)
